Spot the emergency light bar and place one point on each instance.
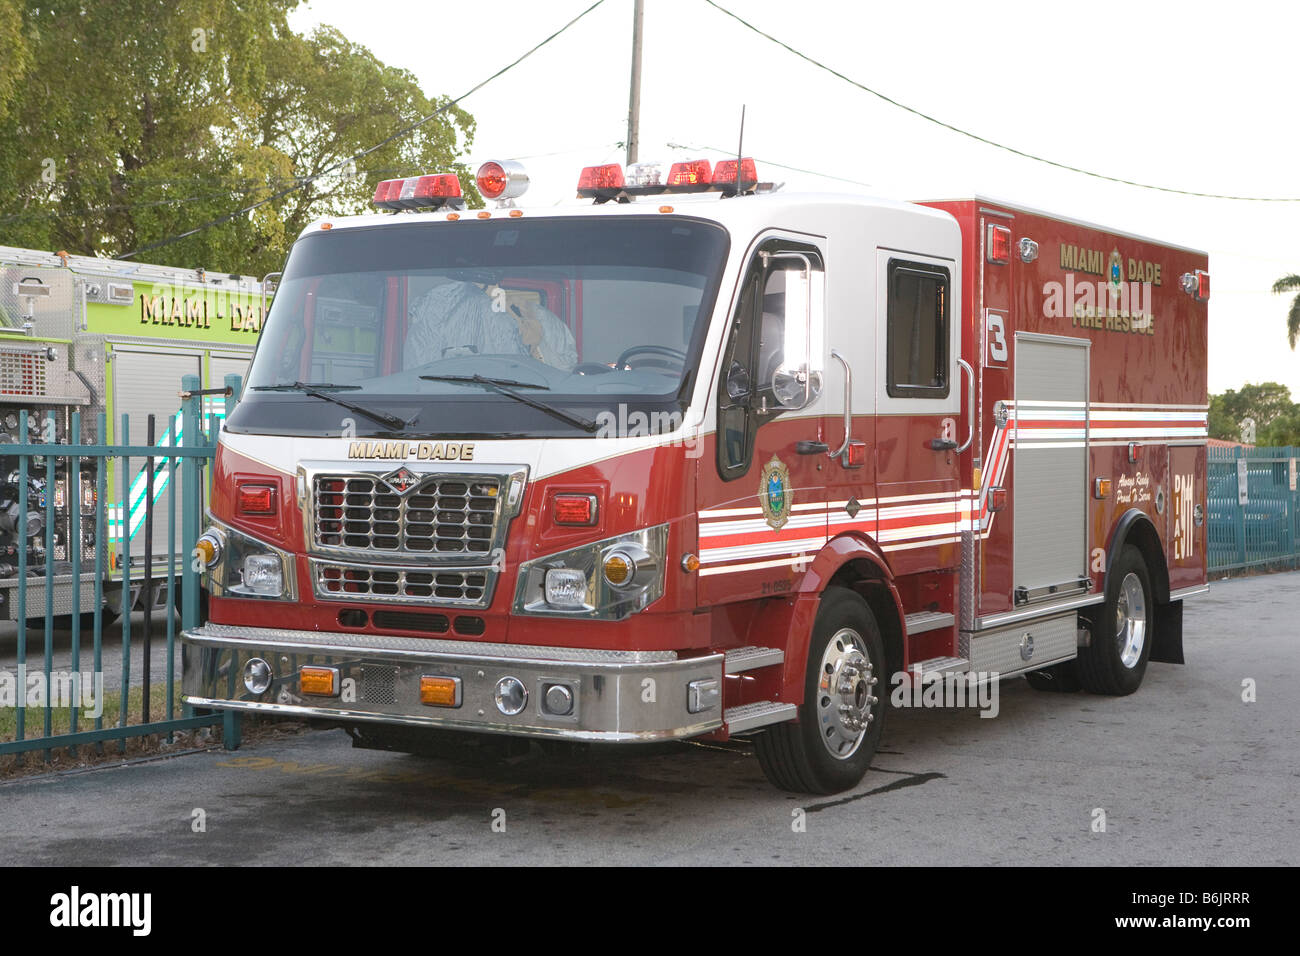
(612, 181)
(419, 192)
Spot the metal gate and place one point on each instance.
(70, 704)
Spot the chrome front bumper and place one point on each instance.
(618, 696)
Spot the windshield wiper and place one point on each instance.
(318, 390)
(503, 385)
(484, 380)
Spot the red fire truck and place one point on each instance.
(702, 458)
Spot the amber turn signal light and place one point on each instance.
(319, 681)
(440, 691)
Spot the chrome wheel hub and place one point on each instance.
(1130, 620)
(845, 694)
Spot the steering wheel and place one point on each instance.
(677, 354)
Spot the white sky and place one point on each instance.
(1190, 95)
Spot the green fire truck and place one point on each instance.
(103, 336)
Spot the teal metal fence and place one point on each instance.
(1254, 508)
(52, 706)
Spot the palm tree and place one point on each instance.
(1290, 283)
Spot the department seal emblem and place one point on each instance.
(774, 492)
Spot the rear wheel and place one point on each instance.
(842, 715)
(1115, 659)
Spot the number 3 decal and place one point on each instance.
(997, 326)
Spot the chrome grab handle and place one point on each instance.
(266, 282)
(848, 404)
(970, 406)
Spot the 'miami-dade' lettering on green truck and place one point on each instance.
(104, 337)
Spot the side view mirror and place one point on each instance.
(790, 387)
(796, 382)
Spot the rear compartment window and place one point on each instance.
(917, 330)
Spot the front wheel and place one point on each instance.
(842, 715)
(1115, 658)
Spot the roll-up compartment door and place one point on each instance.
(1050, 489)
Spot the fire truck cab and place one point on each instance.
(702, 459)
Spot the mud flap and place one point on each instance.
(1168, 644)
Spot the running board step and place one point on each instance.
(942, 665)
(748, 658)
(928, 621)
(751, 716)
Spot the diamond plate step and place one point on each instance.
(928, 621)
(747, 658)
(760, 714)
(942, 665)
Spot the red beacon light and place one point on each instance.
(420, 192)
(725, 176)
(601, 183)
(502, 180)
(386, 194)
(692, 176)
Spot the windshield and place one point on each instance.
(438, 323)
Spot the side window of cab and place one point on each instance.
(773, 358)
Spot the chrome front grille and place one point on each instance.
(449, 515)
(422, 533)
(461, 586)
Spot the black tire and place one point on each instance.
(1057, 679)
(798, 756)
(1110, 663)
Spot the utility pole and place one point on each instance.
(634, 99)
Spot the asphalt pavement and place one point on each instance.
(1201, 767)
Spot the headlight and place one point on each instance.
(565, 587)
(240, 566)
(606, 580)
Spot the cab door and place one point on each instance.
(762, 481)
(919, 431)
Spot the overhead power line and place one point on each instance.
(308, 180)
(982, 139)
(769, 162)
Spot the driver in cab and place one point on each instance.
(455, 318)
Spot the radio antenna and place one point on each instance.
(740, 151)
(740, 146)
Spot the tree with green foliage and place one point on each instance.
(14, 51)
(132, 121)
(1268, 403)
(1283, 430)
(1282, 286)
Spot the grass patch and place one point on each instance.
(61, 717)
